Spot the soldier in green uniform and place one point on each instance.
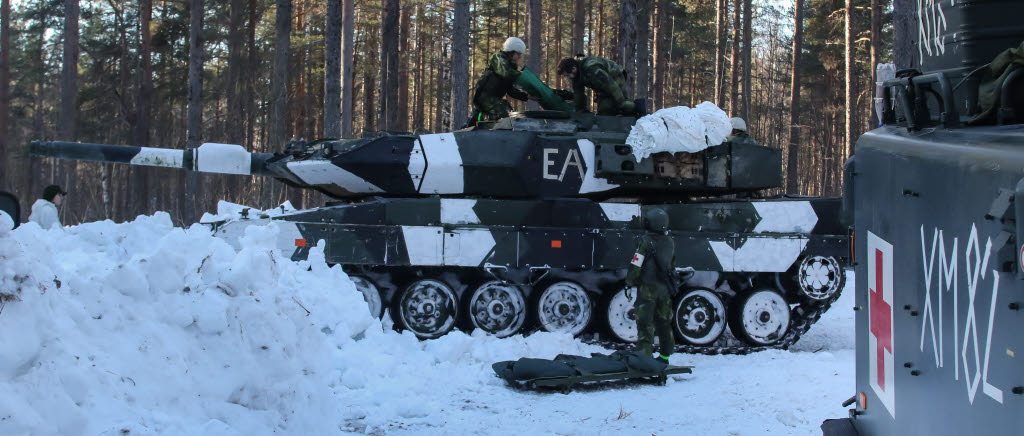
(739, 132)
(606, 78)
(497, 81)
(649, 272)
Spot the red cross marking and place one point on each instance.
(636, 257)
(881, 321)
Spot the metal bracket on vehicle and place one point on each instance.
(685, 274)
(533, 269)
(490, 268)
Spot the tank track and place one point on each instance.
(802, 317)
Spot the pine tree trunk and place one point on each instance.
(626, 48)
(69, 73)
(851, 92)
(279, 82)
(661, 49)
(421, 38)
(297, 81)
(460, 65)
(904, 33)
(720, 26)
(792, 185)
(195, 104)
(643, 52)
(332, 71)
(5, 80)
(578, 23)
(600, 29)
(249, 78)
(369, 114)
(748, 40)
(735, 67)
(403, 68)
(348, 76)
(139, 176)
(233, 119)
(534, 53)
(388, 98)
(876, 51)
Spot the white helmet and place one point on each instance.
(738, 124)
(514, 44)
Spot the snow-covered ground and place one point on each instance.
(143, 328)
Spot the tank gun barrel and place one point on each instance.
(209, 157)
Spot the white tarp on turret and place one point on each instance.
(678, 129)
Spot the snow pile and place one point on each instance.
(679, 129)
(6, 223)
(144, 328)
(154, 329)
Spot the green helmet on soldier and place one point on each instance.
(656, 220)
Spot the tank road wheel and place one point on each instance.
(428, 308)
(760, 317)
(370, 294)
(817, 278)
(621, 318)
(699, 316)
(564, 307)
(497, 308)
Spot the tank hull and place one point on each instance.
(728, 247)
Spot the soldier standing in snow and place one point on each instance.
(44, 211)
(497, 81)
(605, 77)
(649, 272)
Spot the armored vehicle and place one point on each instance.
(936, 198)
(530, 222)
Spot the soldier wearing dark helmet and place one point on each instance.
(650, 273)
(606, 78)
(497, 81)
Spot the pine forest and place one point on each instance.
(259, 73)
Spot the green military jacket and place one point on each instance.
(498, 79)
(652, 263)
(602, 75)
(742, 137)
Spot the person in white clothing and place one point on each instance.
(44, 211)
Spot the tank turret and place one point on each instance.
(533, 155)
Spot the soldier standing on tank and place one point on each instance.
(606, 78)
(649, 273)
(497, 81)
(739, 132)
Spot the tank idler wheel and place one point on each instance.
(699, 317)
(564, 307)
(370, 294)
(497, 308)
(760, 317)
(817, 278)
(621, 317)
(428, 308)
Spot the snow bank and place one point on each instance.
(679, 129)
(154, 329)
(144, 328)
(6, 223)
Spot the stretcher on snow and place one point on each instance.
(566, 371)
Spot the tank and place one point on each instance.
(937, 207)
(529, 223)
